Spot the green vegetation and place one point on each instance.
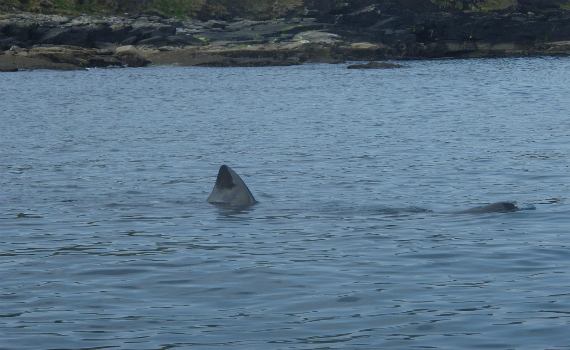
(176, 8)
(170, 8)
(205, 41)
(259, 9)
(254, 9)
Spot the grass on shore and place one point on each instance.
(168, 8)
(254, 9)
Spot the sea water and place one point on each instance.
(107, 242)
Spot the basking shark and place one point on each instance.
(230, 189)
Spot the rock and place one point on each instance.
(184, 40)
(215, 24)
(163, 31)
(104, 61)
(156, 41)
(11, 62)
(59, 19)
(375, 65)
(76, 56)
(372, 33)
(537, 5)
(16, 49)
(131, 56)
(302, 27)
(311, 13)
(82, 36)
(173, 40)
(105, 46)
(364, 17)
(63, 54)
(140, 33)
(316, 37)
(115, 33)
(22, 31)
(127, 48)
(7, 43)
(130, 40)
(132, 60)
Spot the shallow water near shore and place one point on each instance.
(107, 242)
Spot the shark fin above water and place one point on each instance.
(230, 189)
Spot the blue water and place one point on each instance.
(106, 241)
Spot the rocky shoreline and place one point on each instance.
(36, 41)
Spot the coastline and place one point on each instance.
(37, 41)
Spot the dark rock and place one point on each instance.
(537, 5)
(130, 40)
(105, 46)
(364, 17)
(113, 33)
(299, 28)
(157, 41)
(173, 40)
(82, 36)
(141, 33)
(311, 13)
(375, 65)
(327, 18)
(22, 31)
(7, 43)
(184, 40)
(163, 31)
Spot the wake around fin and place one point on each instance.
(230, 189)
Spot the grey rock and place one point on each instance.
(184, 40)
(157, 41)
(76, 36)
(163, 31)
(211, 24)
(364, 17)
(105, 46)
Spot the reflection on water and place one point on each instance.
(108, 241)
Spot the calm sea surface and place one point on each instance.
(106, 241)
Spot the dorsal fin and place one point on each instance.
(230, 189)
(224, 179)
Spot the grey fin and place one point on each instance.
(230, 189)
